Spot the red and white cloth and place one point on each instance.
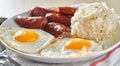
(112, 58)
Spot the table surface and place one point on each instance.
(9, 8)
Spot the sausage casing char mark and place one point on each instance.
(57, 29)
(31, 22)
(66, 10)
(55, 17)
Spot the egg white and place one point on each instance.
(44, 39)
(57, 49)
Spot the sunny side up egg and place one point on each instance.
(25, 40)
(71, 47)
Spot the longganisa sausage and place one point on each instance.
(57, 29)
(39, 11)
(56, 17)
(31, 22)
(66, 10)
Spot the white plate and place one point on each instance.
(10, 22)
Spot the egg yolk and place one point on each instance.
(77, 44)
(26, 36)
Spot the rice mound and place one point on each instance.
(95, 22)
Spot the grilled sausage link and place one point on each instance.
(55, 17)
(57, 29)
(31, 22)
(66, 10)
(39, 11)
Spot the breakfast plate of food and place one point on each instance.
(61, 34)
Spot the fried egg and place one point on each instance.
(71, 47)
(25, 40)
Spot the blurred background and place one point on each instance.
(9, 8)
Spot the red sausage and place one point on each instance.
(66, 10)
(38, 11)
(31, 22)
(55, 17)
(57, 29)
